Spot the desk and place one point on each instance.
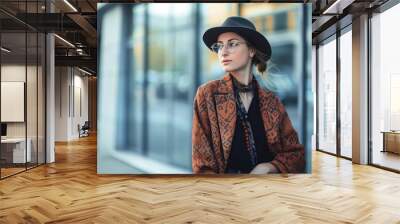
(16, 148)
(391, 141)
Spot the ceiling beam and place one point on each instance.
(86, 26)
(337, 7)
(85, 61)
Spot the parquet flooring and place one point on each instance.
(70, 191)
(10, 171)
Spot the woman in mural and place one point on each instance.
(239, 127)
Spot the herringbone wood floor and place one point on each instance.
(70, 191)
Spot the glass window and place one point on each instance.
(314, 95)
(183, 87)
(385, 84)
(137, 104)
(160, 79)
(281, 21)
(155, 87)
(32, 94)
(346, 94)
(327, 96)
(170, 88)
(14, 151)
(109, 57)
(32, 89)
(23, 92)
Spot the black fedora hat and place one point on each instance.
(242, 27)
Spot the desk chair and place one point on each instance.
(84, 130)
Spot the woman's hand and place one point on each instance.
(264, 168)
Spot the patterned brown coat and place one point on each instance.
(214, 120)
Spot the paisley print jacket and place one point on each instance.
(214, 120)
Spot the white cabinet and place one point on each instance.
(18, 149)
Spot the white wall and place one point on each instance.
(70, 84)
(61, 103)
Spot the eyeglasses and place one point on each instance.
(231, 46)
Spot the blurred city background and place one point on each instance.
(152, 59)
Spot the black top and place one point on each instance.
(239, 159)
